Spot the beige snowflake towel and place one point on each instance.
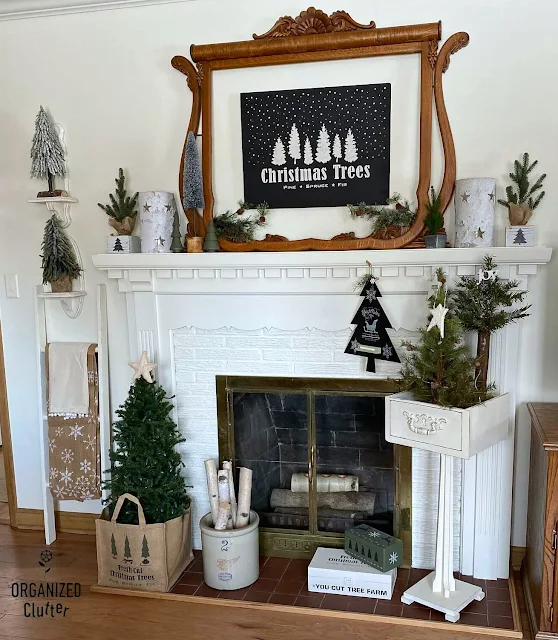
(74, 451)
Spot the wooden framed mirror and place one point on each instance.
(311, 37)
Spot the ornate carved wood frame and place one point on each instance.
(313, 36)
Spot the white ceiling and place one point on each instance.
(18, 9)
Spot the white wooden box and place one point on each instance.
(123, 244)
(456, 432)
(520, 236)
(334, 571)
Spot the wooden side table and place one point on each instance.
(540, 569)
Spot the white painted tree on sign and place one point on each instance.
(294, 144)
(279, 157)
(337, 151)
(323, 152)
(308, 155)
(351, 154)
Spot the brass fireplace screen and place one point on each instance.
(319, 458)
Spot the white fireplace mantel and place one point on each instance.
(289, 314)
(283, 272)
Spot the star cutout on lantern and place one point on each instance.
(354, 345)
(146, 207)
(465, 196)
(437, 320)
(480, 233)
(371, 296)
(142, 368)
(160, 241)
(168, 207)
(492, 196)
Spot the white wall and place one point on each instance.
(106, 76)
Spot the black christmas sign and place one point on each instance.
(317, 147)
(370, 338)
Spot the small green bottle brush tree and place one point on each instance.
(439, 369)
(59, 261)
(434, 219)
(485, 304)
(522, 197)
(144, 461)
(122, 208)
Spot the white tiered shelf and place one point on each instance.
(65, 217)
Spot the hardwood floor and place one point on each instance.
(108, 617)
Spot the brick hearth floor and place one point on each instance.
(284, 581)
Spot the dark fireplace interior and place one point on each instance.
(271, 436)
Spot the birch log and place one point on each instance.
(211, 473)
(325, 482)
(345, 500)
(223, 516)
(244, 497)
(224, 493)
(227, 466)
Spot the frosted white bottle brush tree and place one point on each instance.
(47, 154)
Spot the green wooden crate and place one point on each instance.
(373, 547)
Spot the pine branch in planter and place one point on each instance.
(521, 191)
(440, 369)
(434, 219)
(58, 257)
(122, 209)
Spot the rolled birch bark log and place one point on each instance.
(224, 492)
(325, 482)
(223, 517)
(244, 497)
(212, 490)
(227, 466)
(346, 500)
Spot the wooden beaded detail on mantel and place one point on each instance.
(314, 36)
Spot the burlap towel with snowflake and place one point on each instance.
(74, 452)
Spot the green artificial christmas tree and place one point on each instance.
(145, 461)
(122, 210)
(482, 304)
(59, 262)
(440, 370)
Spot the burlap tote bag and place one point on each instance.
(149, 557)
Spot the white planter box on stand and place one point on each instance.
(454, 433)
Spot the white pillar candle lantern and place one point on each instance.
(156, 210)
(475, 202)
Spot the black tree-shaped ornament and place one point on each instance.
(370, 338)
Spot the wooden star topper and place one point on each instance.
(142, 368)
(438, 317)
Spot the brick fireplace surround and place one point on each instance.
(289, 314)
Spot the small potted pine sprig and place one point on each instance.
(122, 218)
(434, 222)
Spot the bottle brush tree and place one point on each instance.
(439, 369)
(484, 304)
(145, 461)
(59, 261)
(122, 209)
(47, 153)
(521, 199)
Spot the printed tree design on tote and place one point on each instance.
(519, 237)
(127, 554)
(308, 155)
(323, 153)
(118, 245)
(113, 546)
(279, 157)
(370, 338)
(144, 551)
(294, 144)
(351, 154)
(337, 151)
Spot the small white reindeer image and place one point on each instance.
(371, 326)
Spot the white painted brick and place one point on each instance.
(206, 378)
(184, 376)
(199, 401)
(201, 365)
(228, 354)
(229, 331)
(197, 389)
(258, 342)
(183, 353)
(344, 358)
(321, 342)
(317, 369)
(260, 368)
(199, 341)
(284, 355)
